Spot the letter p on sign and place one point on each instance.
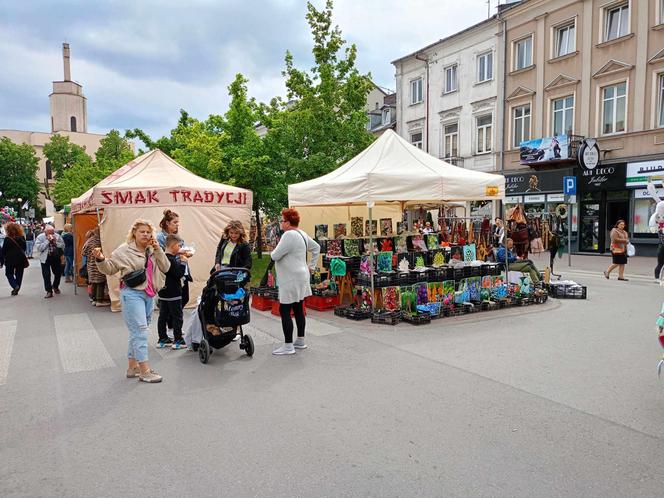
(569, 185)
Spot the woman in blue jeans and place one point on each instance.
(140, 252)
(68, 238)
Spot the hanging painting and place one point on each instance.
(321, 232)
(339, 230)
(374, 228)
(384, 263)
(469, 252)
(386, 227)
(357, 226)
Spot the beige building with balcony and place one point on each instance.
(580, 69)
(69, 117)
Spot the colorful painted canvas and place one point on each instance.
(498, 288)
(485, 293)
(386, 227)
(474, 285)
(437, 258)
(357, 226)
(402, 227)
(392, 298)
(321, 232)
(334, 248)
(339, 230)
(419, 261)
(408, 300)
(432, 241)
(374, 228)
(384, 261)
(448, 292)
(351, 247)
(421, 293)
(469, 252)
(402, 244)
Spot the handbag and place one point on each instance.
(26, 261)
(615, 249)
(137, 277)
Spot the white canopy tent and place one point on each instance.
(388, 175)
(146, 186)
(391, 173)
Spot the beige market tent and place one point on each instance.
(146, 186)
(391, 173)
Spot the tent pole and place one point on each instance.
(75, 269)
(370, 205)
(98, 220)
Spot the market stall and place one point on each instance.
(356, 212)
(146, 186)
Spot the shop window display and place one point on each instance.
(643, 210)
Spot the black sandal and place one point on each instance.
(624, 279)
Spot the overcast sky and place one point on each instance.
(141, 61)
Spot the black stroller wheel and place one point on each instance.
(248, 345)
(204, 351)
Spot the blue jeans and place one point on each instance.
(29, 246)
(69, 266)
(137, 311)
(14, 275)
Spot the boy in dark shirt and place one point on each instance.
(170, 296)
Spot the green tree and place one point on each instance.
(113, 153)
(323, 123)
(19, 166)
(63, 154)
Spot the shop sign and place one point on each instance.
(516, 199)
(172, 196)
(532, 199)
(638, 174)
(602, 177)
(536, 181)
(588, 155)
(644, 194)
(543, 150)
(555, 197)
(492, 191)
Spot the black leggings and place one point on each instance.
(660, 260)
(287, 322)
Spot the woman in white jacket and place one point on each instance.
(293, 278)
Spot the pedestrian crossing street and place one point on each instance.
(82, 348)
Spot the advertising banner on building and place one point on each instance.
(545, 149)
(534, 182)
(638, 174)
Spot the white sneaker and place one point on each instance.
(236, 338)
(299, 344)
(285, 349)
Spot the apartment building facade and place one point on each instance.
(447, 97)
(585, 73)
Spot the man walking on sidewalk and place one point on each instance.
(50, 247)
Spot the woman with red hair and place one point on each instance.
(293, 278)
(13, 254)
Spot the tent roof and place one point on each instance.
(154, 170)
(391, 169)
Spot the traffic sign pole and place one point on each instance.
(569, 189)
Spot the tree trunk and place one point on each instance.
(259, 234)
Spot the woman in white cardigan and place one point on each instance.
(293, 278)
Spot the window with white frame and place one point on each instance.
(565, 40)
(485, 67)
(451, 79)
(614, 101)
(416, 91)
(661, 100)
(562, 111)
(523, 53)
(616, 21)
(521, 127)
(484, 125)
(451, 140)
(416, 139)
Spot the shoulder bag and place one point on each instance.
(137, 277)
(26, 261)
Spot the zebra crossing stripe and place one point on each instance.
(7, 334)
(79, 344)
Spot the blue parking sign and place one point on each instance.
(569, 185)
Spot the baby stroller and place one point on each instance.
(224, 308)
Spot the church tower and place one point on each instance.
(69, 110)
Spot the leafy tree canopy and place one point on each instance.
(19, 166)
